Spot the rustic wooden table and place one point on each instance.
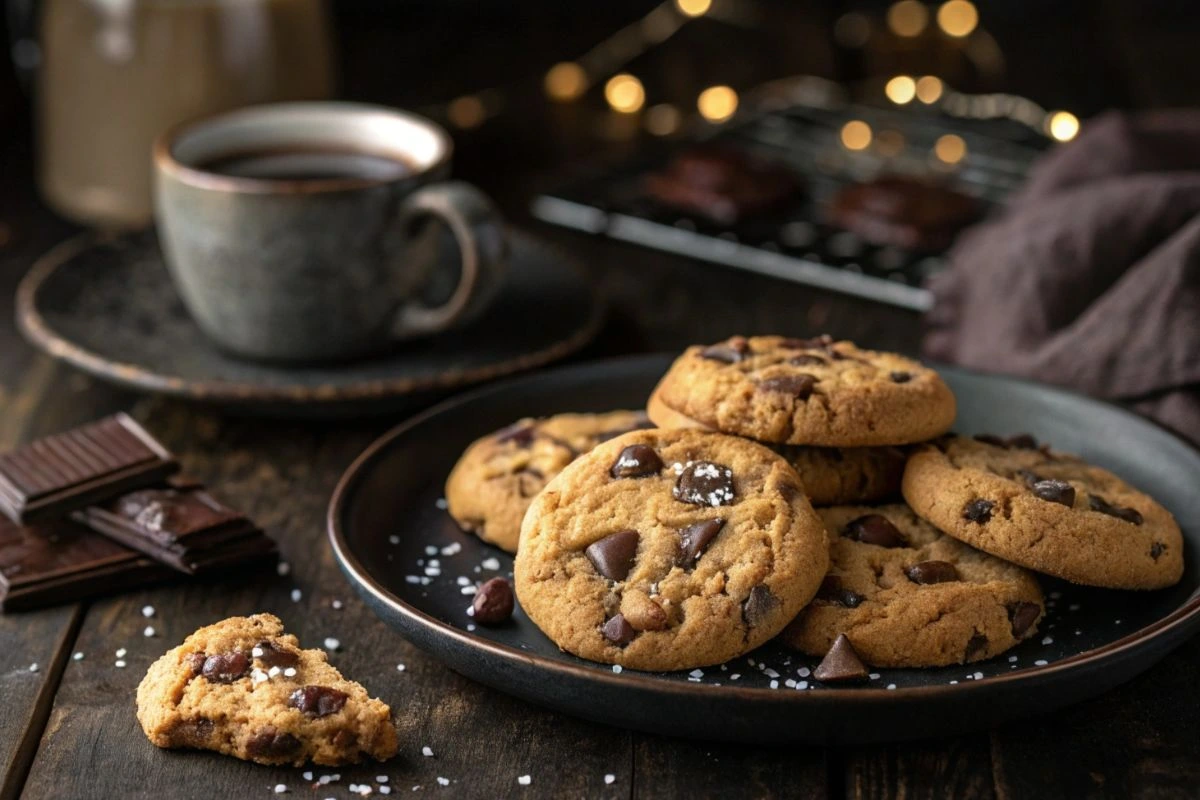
(67, 727)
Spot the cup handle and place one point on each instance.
(479, 231)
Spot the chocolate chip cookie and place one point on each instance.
(244, 688)
(1048, 511)
(664, 550)
(832, 476)
(906, 595)
(808, 391)
(498, 475)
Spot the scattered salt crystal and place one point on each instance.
(324, 779)
(121, 652)
(802, 685)
(1012, 658)
(774, 684)
(306, 775)
(433, 562)
(470, 610)
(381, 778)
(78, 656)
(385, 790)
(290, 672)
(274, 672)
(283, 568)
(332, 643)
(735, 676)
(953, 682)
(257, 652)
(790, 683)
(412, 578)
(524, 780)
(1048, 640)
(1041, 662)
(296, 595)
(490, 563)
(770, 673)
(432, 572)
(147, 611)
(33, 667)
(891, 686)
(468, 590)
(257, 676)
(470, 627)
(393, 539)
(149, 631)
(400, 668)
(697, 673)
(804, 672)
(431, 550)
(463, 580)
(978, 676)
(610, 778)
(443, 781)
(617, 668)
(119, 664)
(280, 788)
(427, 751)
(452, 549)
(874, 676)
(441, 503)
(336, 605)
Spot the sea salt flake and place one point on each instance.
(697, 673)
(431, 550)
(393, 539)
(148, 631)
(443, 781)
(468, 590)
(332, 643)
(804, 672)
(381, 778)
(400, 668)
(616, 668)
(296, 595)
(121, 652)
(147, 611)
(1048, 640)
(78, 656)
(490, 563)
(119, 664)
(891, 686)
(1012, 658)
(610, 778)
(442, 504)
(774, 684)
(336, 605)
(1041, 662)
(280, 788)
(524, 780)
(427, 751)
(283, 568)
(306, 775)
(802, 685)
(33, 667)
(274, 672)
(290, 672)
(770, 673)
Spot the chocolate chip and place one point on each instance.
(799, 386)
(1120, 512)
(613, 555)
(704, 483)
(731, 352)
(195, 662)
(275, 656)
(226, 667)
(979, 511)
(976, 646)
(1055, 491)
(927, 572)
(822, 342)
(806, 359)
(759, 605)
(493, 603)
(841, 664)
(874, 529)
(192, 732)
(1022, 615)
(901, 377)
(694, 539)
(1022, 441)
(618, 631)
(521, 433)
(1157, 549)
(318, 701)
(636, 461)
(271, 743)
(831, 591)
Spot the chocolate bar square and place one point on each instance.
(59, 474)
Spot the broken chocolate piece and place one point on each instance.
(694, 539)
(841, 664)
(978, 511)
(759, 605)
(618, 631)
(636, 461)
(929, 572)
(319, 701)
(1022, 615)
(613, 555)
(874, 529)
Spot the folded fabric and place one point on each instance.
(1090, 278)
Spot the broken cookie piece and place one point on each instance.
(244, 688)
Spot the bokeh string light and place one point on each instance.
(907, 18)
(901, 89)
(717, 103)
(624, 93)
(929, 89)
(950, 148)
(1062, 125)
(957, 18)
(856, 135)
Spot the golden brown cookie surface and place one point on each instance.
(1051, 512)
(244, 688)
(665, 550)
(906, 595)
(496, 478)
(809, 392)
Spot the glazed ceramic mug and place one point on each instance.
(299, 231)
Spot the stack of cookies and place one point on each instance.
(767, 502)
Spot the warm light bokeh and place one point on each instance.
(466, 112)
(929, 88)
(565, 81)
(907, 17)
(856, 135)
(717, 103)
(957, 18)
(950, 149)
(662, 119)
(901, 89)
(1063, 126)
(693, 8)
(624, 93)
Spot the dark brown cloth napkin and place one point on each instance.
(1090, 279)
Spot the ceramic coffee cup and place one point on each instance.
(298, 231)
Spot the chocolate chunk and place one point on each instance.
(806, 359)
(1022, 615)
(271, 743)
(759, 605)
(636, 461)
(927, 572)
(841, 664)
(1098, 503)
(618, 631)
(979, 511)
(319, 701)
(195, 662)
(822, 342)
(874, 529)
(901, 377)
(976, 646)
(694, 539)
(613, 555)
(799, 386)
(493, 603)
(520, 433)
(731, 352)
(1022, 441)
(831, 591)
(275, 656)
(58, 474)
(704, 483)
(1157, 549)
(1055, 491)
(192, 732)
(226, 667)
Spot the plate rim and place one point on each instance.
(45, 337)
(1185, 617)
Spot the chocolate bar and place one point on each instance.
(181, 525)
(59, 474)
(61, 561)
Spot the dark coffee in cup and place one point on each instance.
(317, 163)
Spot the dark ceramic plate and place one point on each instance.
(387, 526)
(105, 304)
